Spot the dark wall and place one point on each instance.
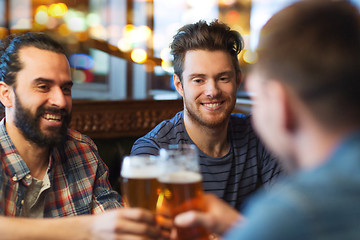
(112, 151)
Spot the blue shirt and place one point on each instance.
(323, 203)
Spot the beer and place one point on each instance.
(140, 186)
(180, 192)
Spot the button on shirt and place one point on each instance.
(78, 178)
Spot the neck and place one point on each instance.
(316, 144)
(211, 141)
(35, 157)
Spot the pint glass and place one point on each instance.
(140, 186)
(181, 188)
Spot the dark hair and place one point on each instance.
(314, 48)
(10, 64)
(200, 35)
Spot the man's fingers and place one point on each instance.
(136, 228)
(138, 214)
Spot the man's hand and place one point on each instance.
(125, 223)
(218, 218)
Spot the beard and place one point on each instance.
(29, 125)
(195, 116)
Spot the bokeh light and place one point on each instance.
(93, 19)
(57, 9)
(250, 56)
(138, 55)
(98, 31)
(124, 45)
(167, 66)
(41, 17)
(81, 61)
(75, 20)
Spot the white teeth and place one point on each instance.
(52, 117)
(211, 105)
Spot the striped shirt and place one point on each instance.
(78, 178)
(233, 177)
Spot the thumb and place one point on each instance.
(192, 218)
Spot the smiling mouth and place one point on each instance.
(52, 117)
(211, 105)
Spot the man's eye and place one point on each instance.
(224, 79)
(197, 80)
(66, 90)
(43, 87)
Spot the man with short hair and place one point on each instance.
(306, 88)
(233, 162)
(48, 170)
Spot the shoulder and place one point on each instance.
(284, 204)
(171, 131)
(77, 148)
(167, 127)
(79, 139)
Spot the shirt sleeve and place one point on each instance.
(103, 196)
(145, 146)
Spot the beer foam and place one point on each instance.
(145, 172)
(181, 177)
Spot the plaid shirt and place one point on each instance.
(78, 178)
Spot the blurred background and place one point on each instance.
(120, 58)
(119, 49)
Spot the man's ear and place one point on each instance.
(178, 84)
(6, 94)
(283, 105)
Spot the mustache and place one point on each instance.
(64, 114)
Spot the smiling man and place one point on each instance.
(48, 170)
(233, 162)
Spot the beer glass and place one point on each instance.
(181, 187)
(140, 186)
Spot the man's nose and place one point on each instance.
(212, 89)
(57, 98)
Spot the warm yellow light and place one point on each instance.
(128, 29)
(136, 34)
(167, 66)
(3, 32)
(57, 9)
(250, 56)
(42, 8)
(138, 55)
(144, 32)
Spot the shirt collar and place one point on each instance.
(14, 164)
